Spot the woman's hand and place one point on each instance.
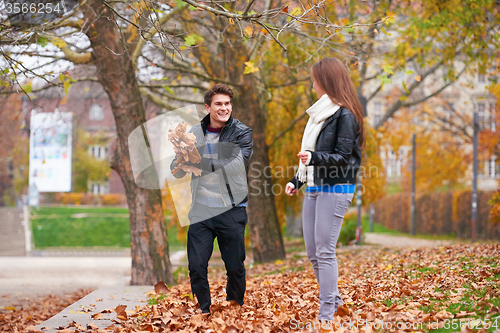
(290, 190)
(304, 156)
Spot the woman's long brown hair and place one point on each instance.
(331, 75)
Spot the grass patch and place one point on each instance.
(284, 269)
(67, 211)
(294, 245)
(427, 269)
(377, 228)
(381, 229)
(102, 227)
(155, 299)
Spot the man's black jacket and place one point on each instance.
(234, 153)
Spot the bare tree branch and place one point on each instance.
(291, 83)
(457, 128)
(260, 39)
(152, 31)
(172, 97)
(399, 103)
(151, 86)
(247, 8)
(158, 100)
(291, 126)
(51, 85)
(69, 54)
(223, 13)
(18, 63)
(377, 90)
(436, 92)
(269, 31)
(184, 69)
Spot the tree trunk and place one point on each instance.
(265, 231)
(116, 73)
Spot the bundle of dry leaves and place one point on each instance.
(383, 290)
(185, 148)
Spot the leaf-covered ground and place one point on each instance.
(453, 288)
(391, 290)
(26, 313)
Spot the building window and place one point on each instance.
(481, 115)
(493, 114)
(398, 167)
(377, 113)
(495, 171)
(99, 152)
(491, 168)
(96, 112)
(393, 164)
(98, 188)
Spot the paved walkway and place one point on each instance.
(12, 237)
(404, 242)
(28, 277)
(94, 303)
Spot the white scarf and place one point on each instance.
(318, 113)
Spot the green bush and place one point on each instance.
(348, 231)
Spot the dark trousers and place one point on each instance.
(229, 228)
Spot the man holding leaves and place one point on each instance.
(219, 196)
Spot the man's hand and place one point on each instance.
(304, 156)
(290, 190)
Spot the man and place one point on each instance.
(219, 197)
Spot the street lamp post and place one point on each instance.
(358, 204)
(474, 177)
(413, 169)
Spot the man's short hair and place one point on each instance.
(218, 88)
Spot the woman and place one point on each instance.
(330, 157)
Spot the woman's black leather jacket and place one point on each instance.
(337, 155)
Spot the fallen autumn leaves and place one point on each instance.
(30, 312)
(418, 289)
(392, 290)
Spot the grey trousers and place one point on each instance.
(322, 217)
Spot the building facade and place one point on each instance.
(452, 109)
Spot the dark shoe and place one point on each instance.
(234, 305)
